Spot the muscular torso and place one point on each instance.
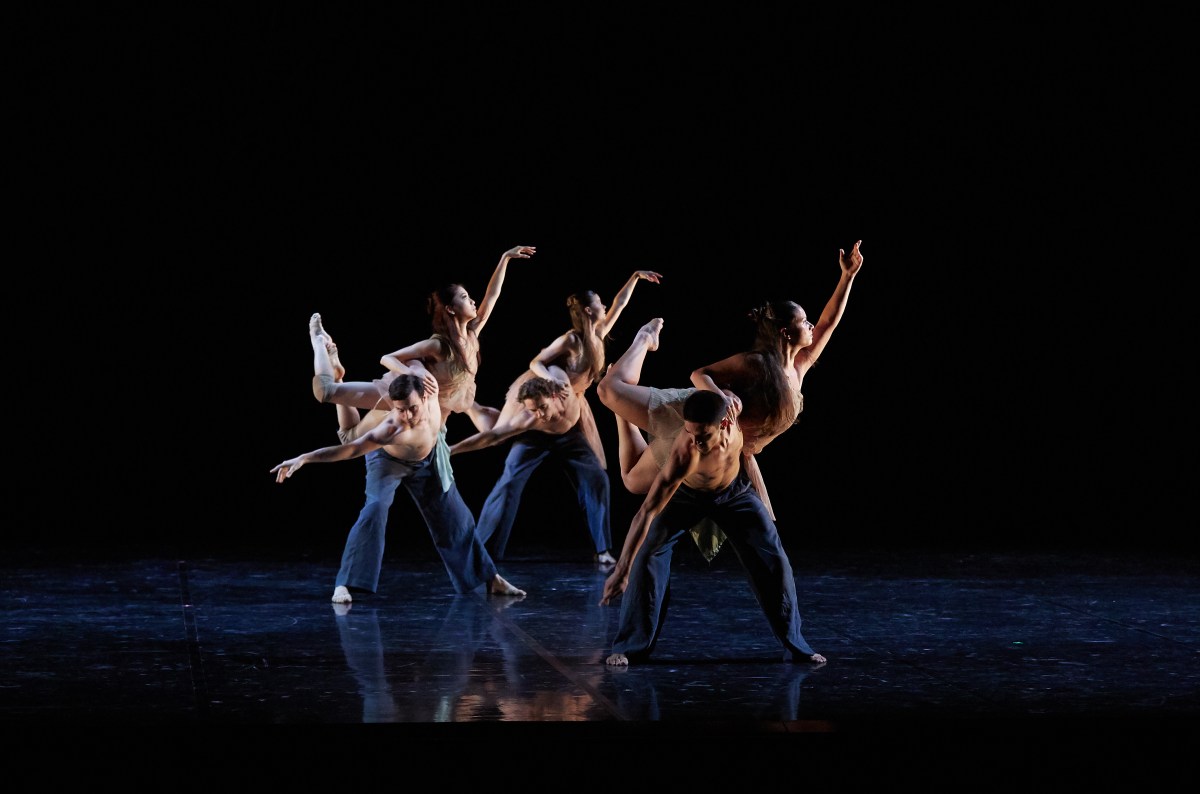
(408, 442)
(716, 468)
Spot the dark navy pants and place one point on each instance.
(447, 516)
(751, 534)
(528, 451)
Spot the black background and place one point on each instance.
(200, 183)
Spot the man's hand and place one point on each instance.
(614, 585)
(287, 468)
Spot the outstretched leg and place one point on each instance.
(323, 358)
(351, 424)
(638, 467)
(327, 384)
(619, 389)
(349, 418)
(317, 336)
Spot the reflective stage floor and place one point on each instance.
(923, 648)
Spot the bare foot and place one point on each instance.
(339, 372)
(604, 558)
(817, 658)
(617, 660)
(651, 330)
(315, 328)
(500, 587)
(341, 595)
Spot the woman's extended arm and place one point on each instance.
(483, 309)
(621, 299)
(831, 315)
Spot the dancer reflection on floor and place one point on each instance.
(442, 685)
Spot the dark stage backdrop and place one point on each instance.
(224, 178)
(933, 418)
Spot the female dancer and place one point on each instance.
(574, 361)
(579, 353)
(447, 362)
(764, 383)
(450, 355)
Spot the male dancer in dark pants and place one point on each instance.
(548, 426)
(400, 450)
(702, 478)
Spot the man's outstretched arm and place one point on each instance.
(354, 449)
(498, 434)
(665, 484)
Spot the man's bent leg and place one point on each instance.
(592, 489)
(754, 538)
(452, 528)
(648, 593)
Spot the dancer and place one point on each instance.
(400, 450)
(574, 361)
(764, 382)
(548, 425)
(450, 355)
(580, 353)
(351, 422)
(448, 361)
(703, 477)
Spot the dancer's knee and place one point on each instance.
(634, 482)
(323, 386)
(604, 389)
(638, 480)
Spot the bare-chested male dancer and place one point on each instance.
(544, 421)
(703, 477)
(400, 450)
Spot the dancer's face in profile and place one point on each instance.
(799, 329)
(463, 304)
(599, 310)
